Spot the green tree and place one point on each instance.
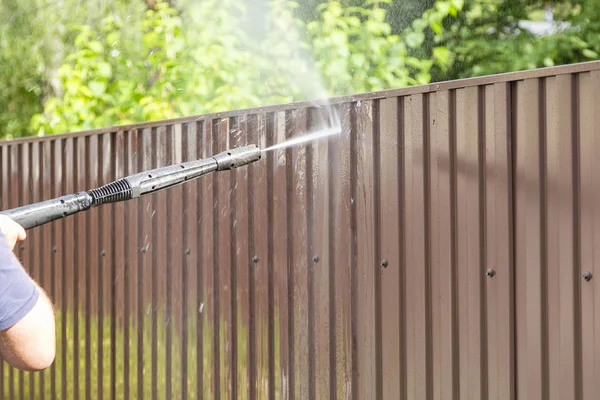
(215, 66)
(66, 67)
(35, 38)
(486, 37)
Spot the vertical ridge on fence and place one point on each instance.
(365, 228)
(142, 148)
(47, 244)
(290, 259)
(188, 151)
(241, 261)
(280, 231)
(342, 256)
(78, 161)
(206, 305)
(201, 267)
(34, 244)
(483, 334)
(319, 260)
(576, 215)
(588, 148)
(310, 250)
(562, 279)
(353, 249)
(417, 268)
(169, 266)
(331, 260)
(159, 257)
(221, 237)
(104, 278)
(529, 246)
(114, 255)
(260, 266)
(68, 271)
(130, 282)
(19, 247)
(427, 239)
(270, 128)
(56, 271)
(233, 135)
(376, 141)
(216, 323)
(442, 306)
(469, 250)
(252, 373)
(390, 249)
(499, 266)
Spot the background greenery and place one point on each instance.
(69, 65)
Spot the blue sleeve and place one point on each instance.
(18, 293)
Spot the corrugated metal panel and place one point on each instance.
(435, 250)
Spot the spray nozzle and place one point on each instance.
(237, 157)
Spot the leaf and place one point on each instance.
(104, 69)
(437, 28)
(112, 38)
(358, 60)
(96, 46)
(414, 39)
(548, 62)
(97, 87)
(378, 14)
(443, 6)
(419, 24)
(459, 4)
(442, 55)
(423, 78)
(590, 54)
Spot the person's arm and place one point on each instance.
(27, 324)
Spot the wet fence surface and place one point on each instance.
(438, 248)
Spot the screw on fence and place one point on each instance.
(103, 253)
(384, 263)
(54, 249)
(587, 276)
(187, 252)
(255, 259)
(490, 273)
(316, 259)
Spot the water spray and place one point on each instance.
(131, 187)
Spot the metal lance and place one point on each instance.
(131, 187)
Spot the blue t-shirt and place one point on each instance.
(18, 294)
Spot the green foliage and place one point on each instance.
(487, 39)
(20, 77)
(72, 70)
(355, 50)
(218, 67)
(104, 83)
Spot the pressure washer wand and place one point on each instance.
(131, 187)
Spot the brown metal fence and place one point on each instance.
(435, 250)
